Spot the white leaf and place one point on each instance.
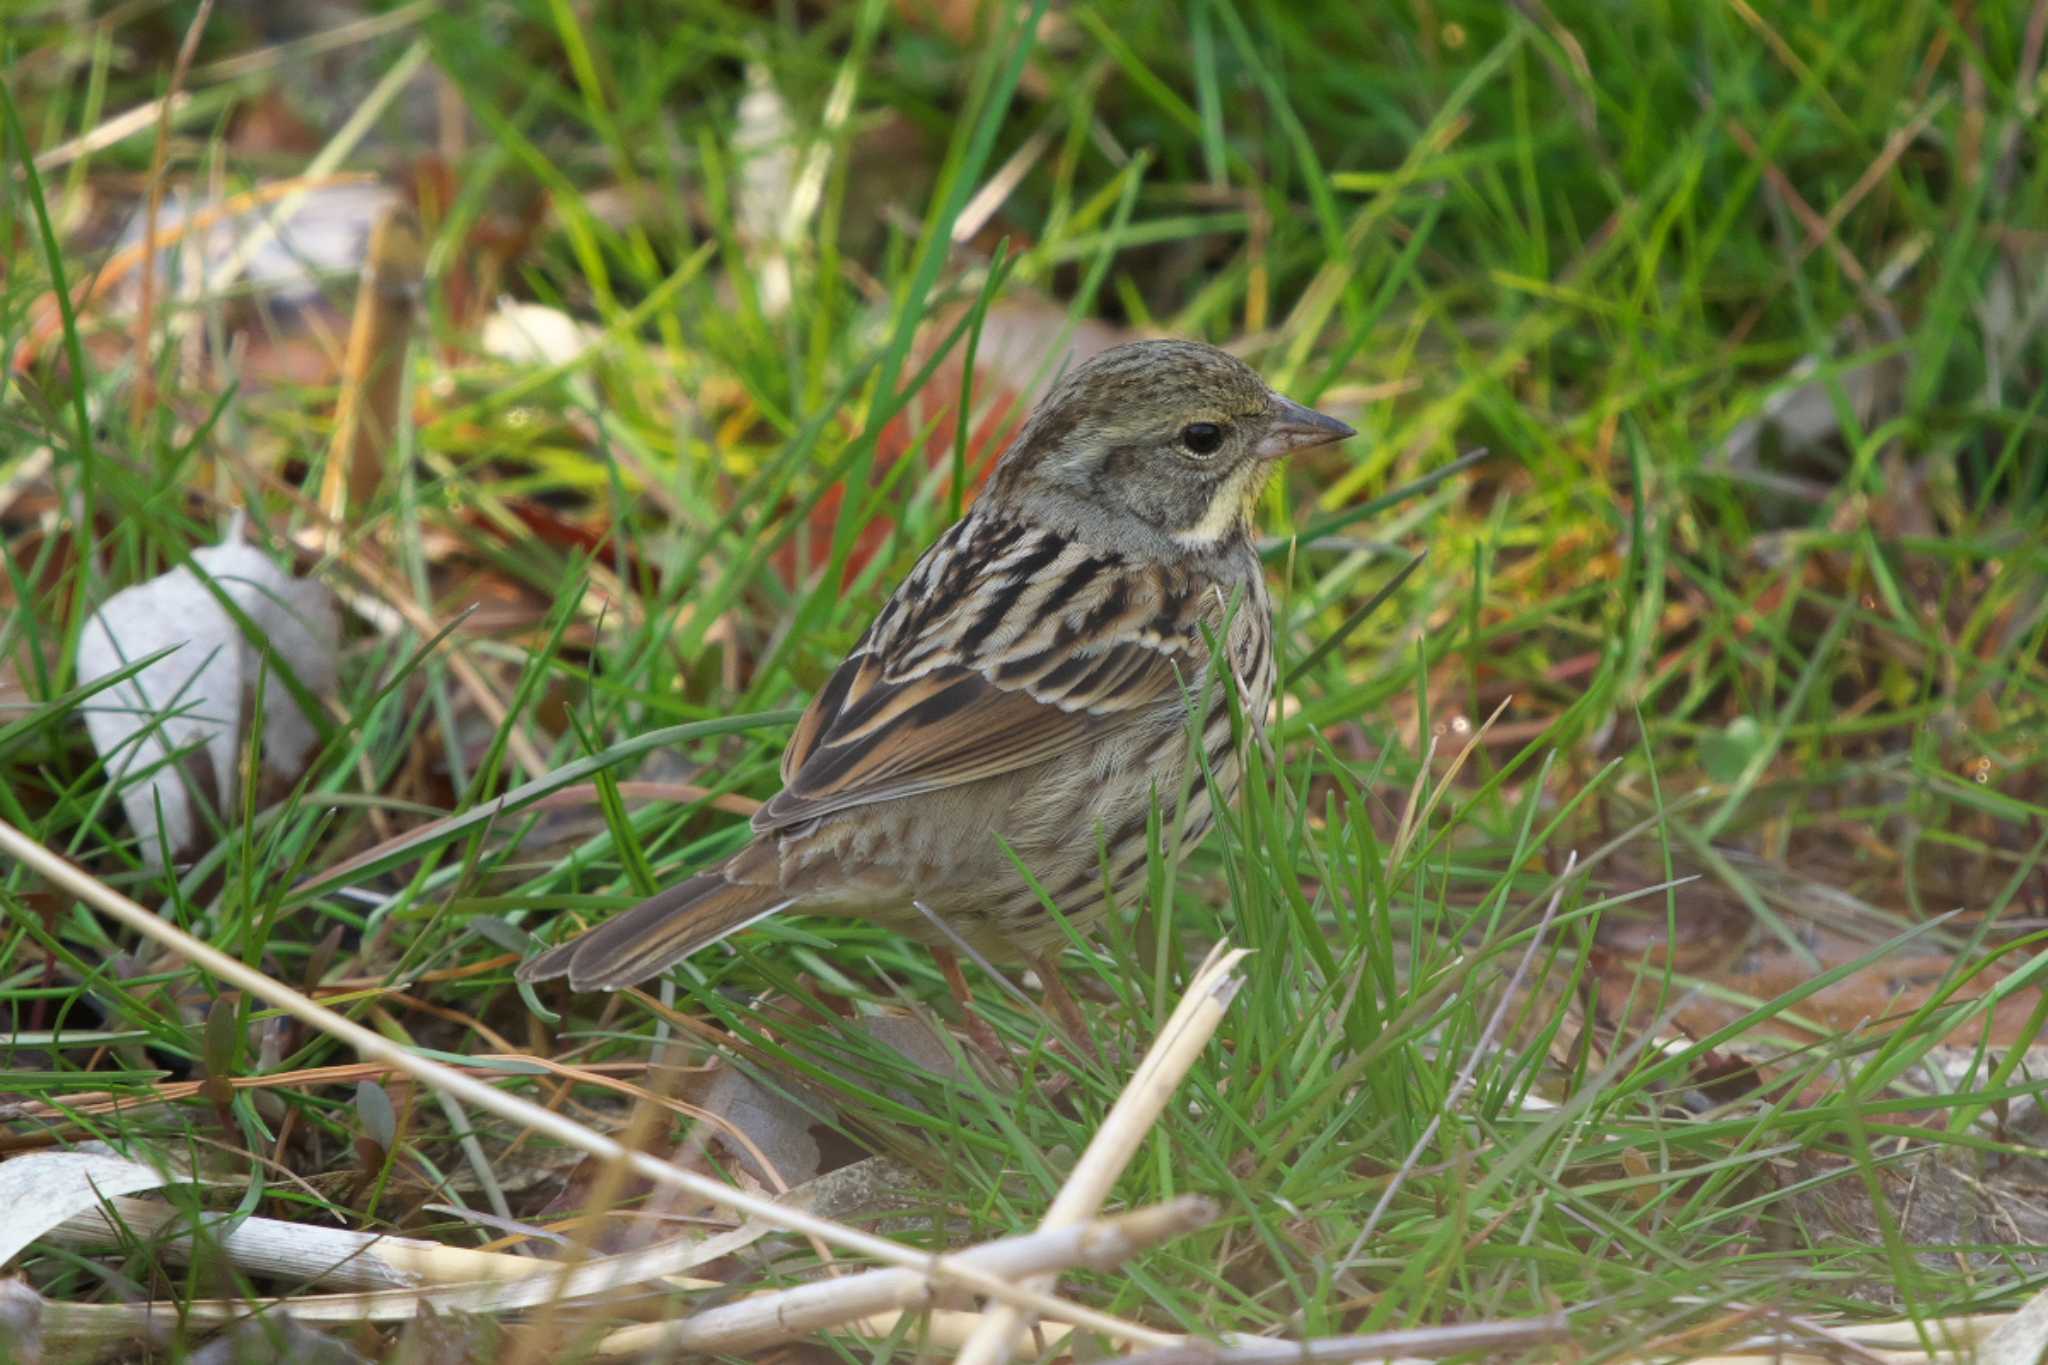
(2021, 1339)
(534, 334)
(42, 1189)
(287, 248)
(196, 697)
(1803, 414)
(21, 1322)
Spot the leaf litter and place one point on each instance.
(198, 686)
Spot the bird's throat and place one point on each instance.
(1230, 508)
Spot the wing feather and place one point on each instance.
(984, 665)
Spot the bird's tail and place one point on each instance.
(657, 933)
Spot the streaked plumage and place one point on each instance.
(1029, 683)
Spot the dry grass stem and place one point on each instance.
(373, 373)
(302, 1252)
(1407, 1343)
(501, 1293)
(770, 1318)
(467, 1089)
(1130, 1119)
(47, 317)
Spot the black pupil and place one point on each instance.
(1203, 438)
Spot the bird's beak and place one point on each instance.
(1295, 427)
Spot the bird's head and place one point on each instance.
(1155, 445)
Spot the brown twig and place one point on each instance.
(1818, 229)
(373, 374)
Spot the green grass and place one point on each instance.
(1810, 673)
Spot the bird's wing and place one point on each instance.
(1000, 651)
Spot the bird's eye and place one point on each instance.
(1202, 438)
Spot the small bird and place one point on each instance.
(1028, 690)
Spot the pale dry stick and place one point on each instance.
(1793, 1331)
(301, 1253)
(766, 1319)
(1965, 1330)
(1471, 1067)
(112, 131)
(1780, 1354)
(1124, 1129)
(976, 212)
(943, 1331)
(145, 312)
(547, 1282)
(861, 1301)
(375, 1046)
(1413, 818)
(1408, 1342)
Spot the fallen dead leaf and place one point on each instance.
(174, 730)
(21, 1322)
(285, 251)
(42, 1189)
(535, 334)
